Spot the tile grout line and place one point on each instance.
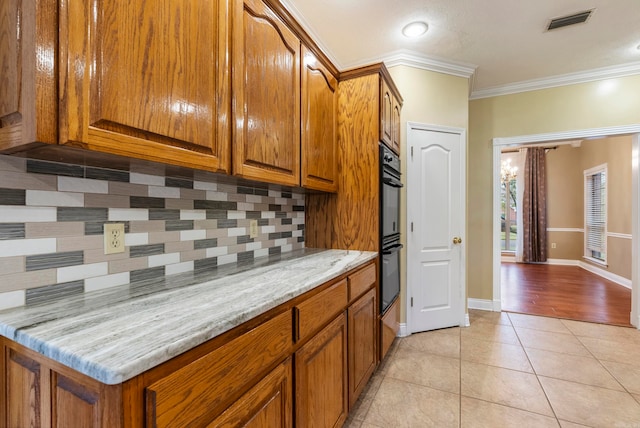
(535, 373)
(602, 365)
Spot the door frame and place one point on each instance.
(581, 134)
(462, 133)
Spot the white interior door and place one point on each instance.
(435, 219)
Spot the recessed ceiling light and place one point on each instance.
(415, 29)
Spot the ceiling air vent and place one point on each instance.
(564, 21)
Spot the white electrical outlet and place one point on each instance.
(253, 228)
(553, 245)
(113, 238)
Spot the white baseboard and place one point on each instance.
(620, 280)
(467, 322)
(508, 259)
(403, 332)
(484, 305)
(563, 262)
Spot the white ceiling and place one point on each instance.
(505, 41)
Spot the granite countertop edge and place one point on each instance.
(100, 342)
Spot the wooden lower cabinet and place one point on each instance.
(38, 392)
(363, 350)
(321, 378)
(269, 404)
(255, 375)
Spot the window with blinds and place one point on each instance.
(595, 215)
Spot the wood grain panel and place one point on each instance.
(266, 96)
(363, 349)
(28, 89)
(356, 222)
(316, 311)
(75, 404)
(9, 61)
(389, 326)
(24, 403)
(320, 211)
(319, 125)
(321, 378)
(147, 79)
(266, 405)
(361, 281)
(201, 390)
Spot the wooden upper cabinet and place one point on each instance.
(28, 80)
(266, 95)
(395, 141)
(386, 114)
(147, 79)
(319, 125)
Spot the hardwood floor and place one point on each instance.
(563, 292)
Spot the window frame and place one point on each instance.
(588, 253)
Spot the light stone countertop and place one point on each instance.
(114, 335)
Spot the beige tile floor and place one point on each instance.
(507, 370)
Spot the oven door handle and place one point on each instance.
(392, 182)
(392, 249)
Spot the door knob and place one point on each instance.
(457, 240)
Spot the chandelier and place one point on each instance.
(508, 172)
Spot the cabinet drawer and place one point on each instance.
(198, 392)
(361, 281)
(316, 311)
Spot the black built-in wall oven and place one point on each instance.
(389, 227)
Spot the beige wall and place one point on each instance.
(599, 104)
(431, 98)
(616, 153)
(565, 197)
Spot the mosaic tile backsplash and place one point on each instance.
(52, 217)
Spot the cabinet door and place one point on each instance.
(28, 80)
(269, 404)
(321, 378)
(41, 395)
(395, 142)
(386, 114)
(147, 79)
(363, 354)
(266, 95)
(319, 125)
(27, 383)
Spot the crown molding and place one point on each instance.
(617, 71)
(413, 59)
(312, 32)
(580, 134)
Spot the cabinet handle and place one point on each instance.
(296, 324)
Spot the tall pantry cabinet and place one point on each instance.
(369, 107)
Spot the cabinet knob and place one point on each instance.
(457, 240)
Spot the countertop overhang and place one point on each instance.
(114, 335)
